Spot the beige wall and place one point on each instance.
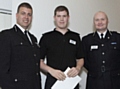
(81, 13)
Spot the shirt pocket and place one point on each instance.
(19, 77)
(21, 43)
(114, 52)
(115, 48)
(115, 73)
(20, 49)
(93, 51)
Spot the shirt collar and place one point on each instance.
(60, 32)
(104, 33)
(21, 28)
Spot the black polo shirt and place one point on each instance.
(61, 50)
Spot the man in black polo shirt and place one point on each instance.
(62, 48)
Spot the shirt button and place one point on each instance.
(37, 73)
(102, 45)
(37, 64)
(34, 55)
(103, 61)
(103, 53)
(16, 80)
(21, 43)
(114, 47)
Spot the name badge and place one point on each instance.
(72, 42)
(94, 47)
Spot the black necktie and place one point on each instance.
(26, 32)
(101, 35)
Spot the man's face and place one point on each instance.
(61, 19)
(100, 21)
(24, 17)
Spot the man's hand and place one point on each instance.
(57, 74)
(73, 72)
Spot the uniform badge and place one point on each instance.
(94, 47)
(72, 42)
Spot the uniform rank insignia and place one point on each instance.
(113, 43)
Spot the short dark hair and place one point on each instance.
(61, 8)
(24, 4)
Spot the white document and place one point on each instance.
(68, 83)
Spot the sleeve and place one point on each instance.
(80, 53)
(43, 48)
(5, 55)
